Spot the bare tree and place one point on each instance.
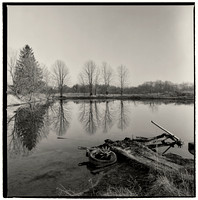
(107, 75)
(60, 74)
(122, 75)
(12, 59)
(88, 73)
(96, 79)
(81, 79)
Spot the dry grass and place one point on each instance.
(153, 183)
(173, 184)
(62, 191)
(116, 192)
(165, 185)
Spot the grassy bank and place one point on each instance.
(141, 172)
(131, 179)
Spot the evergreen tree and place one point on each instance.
(28, 75)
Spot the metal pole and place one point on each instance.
(165, 130)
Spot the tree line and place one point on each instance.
(30, 77)
(145, 88)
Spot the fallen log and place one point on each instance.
(140, 153)
(144, 139)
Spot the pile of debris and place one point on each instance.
(141, 149)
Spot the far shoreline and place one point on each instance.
(132, 97)
(135, 97)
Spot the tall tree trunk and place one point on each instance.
(61, 90)
(107, 87)
(90, 90)
(95, 89)
(121, 91)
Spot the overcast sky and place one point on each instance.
(153, 42)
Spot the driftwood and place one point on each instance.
(169, 134)
(140, 153)
(160, 140)
(157, 141)
(143, 150)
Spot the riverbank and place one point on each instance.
(135, 97)
(144, 173)
(132, 179)
(14, 101)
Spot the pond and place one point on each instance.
(43, 140)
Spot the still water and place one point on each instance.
(43, 140)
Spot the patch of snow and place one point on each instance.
(11, 99)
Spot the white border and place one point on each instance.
(62, 1)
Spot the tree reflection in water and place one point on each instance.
(27, 129)
(107, 119)
(123, 119)
(90, 116)
(61, 117)
(153, 106)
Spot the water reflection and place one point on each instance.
(166, 102)
(123, 116)
(61, 117)
(107, 118)
(28, 128)
(153, 106)
(90, 116)
(32, 123)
